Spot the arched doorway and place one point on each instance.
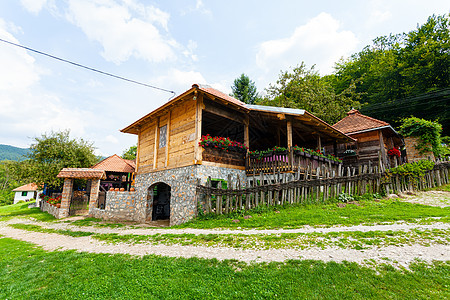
(158, 202)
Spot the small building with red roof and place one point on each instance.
(374, 139)
(26, 192)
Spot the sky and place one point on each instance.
(170, 44)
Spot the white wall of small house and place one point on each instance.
(18, 196)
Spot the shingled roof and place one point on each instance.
(83, 173)
(356, 122)
(115, 163)
(26, 188)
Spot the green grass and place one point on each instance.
(28, 272)
(368, 212)
(8, 212)
(348, 239)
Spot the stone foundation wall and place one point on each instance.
(413, 154)
(137, 205)
(119, 206)
(53, 210)
(183, 182)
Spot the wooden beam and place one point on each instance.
(198, 129)
(167, 139)
(215, 109)
(319, 143)
(289, 134)
(246, 132)
(383, 150)
(155, 149)
(138, 149)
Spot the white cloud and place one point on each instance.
(27, 110)
(33, 6)
(379, 12)
(179, 80)
(18, 70)
(199, 7)
(320, 42)
(124, 30)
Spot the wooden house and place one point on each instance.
(170, 162)
(374, 140)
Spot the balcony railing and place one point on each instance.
(289, 161)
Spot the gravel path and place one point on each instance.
(306, 229)
(394, 255)
(401, 255)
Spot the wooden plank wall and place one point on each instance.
(180, 122)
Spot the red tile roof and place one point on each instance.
(83, 173)
(217, 93)
(355, 121)
(26, 188)
(115, 163)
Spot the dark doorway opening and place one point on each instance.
(160, 195)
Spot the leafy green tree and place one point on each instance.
(244, 89)
(305, 89)
(400, 75)
(8, 181)
(130, 153)
(54, 151)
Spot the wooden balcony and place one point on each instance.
(290, 161)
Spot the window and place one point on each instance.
(162, 136)
(24, 194)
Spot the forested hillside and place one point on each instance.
(12, 153)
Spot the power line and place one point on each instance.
(89, 68)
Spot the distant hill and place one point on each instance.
(12, 153)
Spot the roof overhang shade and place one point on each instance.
(302, 118)
(82, 173)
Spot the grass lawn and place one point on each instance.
(8, 212)
(367, 212)
(28, 272)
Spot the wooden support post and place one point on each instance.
(198, 130)
(155, 148)
(246, 131)
(166, 164)
(319, 143)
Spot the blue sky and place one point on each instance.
(171, 44)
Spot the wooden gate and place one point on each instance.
(79, 203)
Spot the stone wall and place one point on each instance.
(137, 205)
(183, 182)
(119, 206)
(53, 210)
(413, 154)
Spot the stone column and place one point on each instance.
(66, 197)
(95, 185)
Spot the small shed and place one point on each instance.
(119, 173)
(26, 192)
(373, 138)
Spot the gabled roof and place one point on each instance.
(115, 163)
(356, 122)
(26, 188)
(217, 96)
(83, 173)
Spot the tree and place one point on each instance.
(130, 153)
(400, 75)
(305, 89)
(244, 89)
(8, 181)
(52, 152)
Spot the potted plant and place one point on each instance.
(279, 150)
(299, 151)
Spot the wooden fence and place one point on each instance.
(311, 186)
